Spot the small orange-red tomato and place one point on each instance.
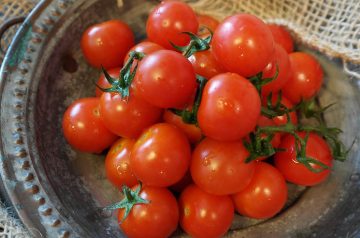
(205, 64)
(282, 37)
(306, 78)
(117, 163)
(105, 44)
(204, 215)
(296, 172)
(206, 21)
(192, 132)
(103, 83)
(266, 194)
(83, 128)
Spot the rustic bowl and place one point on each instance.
(59, 192)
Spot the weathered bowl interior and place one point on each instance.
(59, 192)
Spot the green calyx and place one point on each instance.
(131, 198)
(122, 84)
(258, 81)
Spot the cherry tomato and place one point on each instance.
(306, 79)
(161, 156)
(83, 128)
(296, 172)
(105, 44)
(165, 79)
(117, 163)
(206, 21)
(145, 47)
(204, 215)
(127, 117)
(282, 120)
(157, 219)
(282, 37)
(205, 64)
(266, 194)
(243, 44)
(167, 22)
(102, 81)
(281, 60)
(219, 167)
(229, 108)
(192, 132)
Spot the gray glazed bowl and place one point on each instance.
(58, 192)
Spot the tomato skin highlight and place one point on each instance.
(165, 79)
(204, 215)
(105, 44)
(266, 194)
(243, 44)
(157, 219)
(161, 155)
(167, 22)
(281, 59)
(219, 167)
(83, 128)
(127, 117)
(229, 108)
(282, 37)
(117, 164)
(297, 173)
(192, 132)
(306, 79)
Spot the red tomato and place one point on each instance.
(296, 172)
(282, 120)
(106, 43)
(145, 47)
(205, 64)
(166, 79)
(282, 37)
(192, 132)
(229, 108)
(117, 163)
(83, 128)
(219, 167)
(103, 83)
(157, 219)
(206, 21)
(281, 59)
(167, 22)
(127, 117)
(306, 79)
(204, 215)
(266, 194)
(243, 44)
(161, 155)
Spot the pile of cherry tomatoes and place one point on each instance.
(203, 118)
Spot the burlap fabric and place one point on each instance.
(331, 26)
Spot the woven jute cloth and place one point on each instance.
(331, 26)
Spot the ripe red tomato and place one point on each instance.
(282, 37)
(282, 120)
(192, 132)
(204, 215)
(157, 219)
(229, 108)
(145, 47)
(206, 21)
(306, 79)
(103, 83)
(106, 43)
(296, 172)
(243, 44)
(219, 167)
(161, 156)
(127, 117)
(117, 163)
(281, 59)
(266, 194)
(167, 22)
(165, 79)
(205, 64)
(83, 128)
